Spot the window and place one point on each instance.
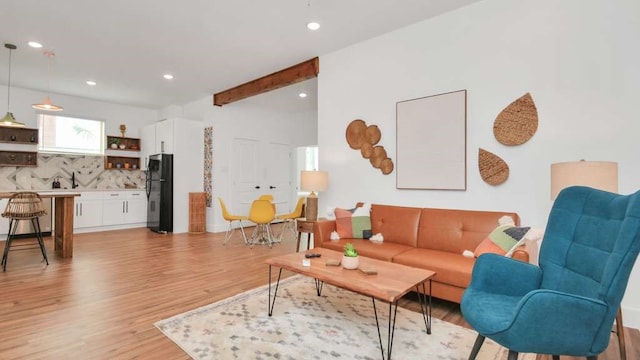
(65, 134)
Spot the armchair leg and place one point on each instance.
(620, 333)
(476, 347)
(513, 355)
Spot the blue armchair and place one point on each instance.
(567, 304)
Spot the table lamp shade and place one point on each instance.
(313, 181)
(602, 175)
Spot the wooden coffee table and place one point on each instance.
(390, 284)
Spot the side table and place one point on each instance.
(304, 226)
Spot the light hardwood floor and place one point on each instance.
(102, 303)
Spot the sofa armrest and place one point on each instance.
(322, 231)
(521, 254)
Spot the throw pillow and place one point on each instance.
(501, 240)
(354, 223)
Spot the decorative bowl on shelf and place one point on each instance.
(123, 146)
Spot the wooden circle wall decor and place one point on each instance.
(379, 154)
(373, 134)
(366, 150)
(493, 170)
(386, 166)
(517, 123)
(356, 133)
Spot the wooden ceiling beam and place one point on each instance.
(304, 71)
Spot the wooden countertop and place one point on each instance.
(44, 194)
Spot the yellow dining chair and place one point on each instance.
(231, 218)
(262, 214)
(290, 218)
(268, 197)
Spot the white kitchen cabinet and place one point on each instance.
(136, 206)
(124, 207)
(147, 144)
(4, 222)
(88, 210)
(165, 130)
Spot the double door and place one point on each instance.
(261, 168)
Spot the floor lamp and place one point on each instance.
(602, 175)
(313, 181)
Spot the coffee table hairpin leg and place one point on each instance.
(393, 311)
(271, 304)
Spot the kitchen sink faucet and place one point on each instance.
(73, 180)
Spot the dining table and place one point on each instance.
(63, 217)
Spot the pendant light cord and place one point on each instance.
(9, 81)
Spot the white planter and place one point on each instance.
(350, 263)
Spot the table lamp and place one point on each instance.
(601, 175)
(313, 181)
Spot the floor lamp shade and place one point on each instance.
(313, 181)
(602, 175)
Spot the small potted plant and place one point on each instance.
(350, 259)
(113, 143)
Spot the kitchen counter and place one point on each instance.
(64, 203)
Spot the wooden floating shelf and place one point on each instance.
(18, 135)
(125, 163)
(18, 158)
(130, 144)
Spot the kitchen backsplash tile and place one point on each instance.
(89, 170)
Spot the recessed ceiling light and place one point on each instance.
(35, 44)
(302, 95)
(313, 25)
(91, 83)
(168, 76)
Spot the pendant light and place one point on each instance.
(9, 120)
(47, 105)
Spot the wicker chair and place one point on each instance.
(23, 206)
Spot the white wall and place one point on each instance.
(248, 120)
(578, 59)
(113, 114)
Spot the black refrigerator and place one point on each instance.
(160, 193)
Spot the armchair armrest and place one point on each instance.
(322, 231)
(497, 274)
(557, 317)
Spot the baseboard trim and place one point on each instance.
(631, 317)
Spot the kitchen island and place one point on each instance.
(64, 203)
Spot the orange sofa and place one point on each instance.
(432, 239)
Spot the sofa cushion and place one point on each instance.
(456, 230)
(381, 251)
(397, 224)
(450, 268)
(354, 223)
(501, 240)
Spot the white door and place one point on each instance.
(247, 185)
(278, 176)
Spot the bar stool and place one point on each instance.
(23, 206)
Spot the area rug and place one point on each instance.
(337, 325)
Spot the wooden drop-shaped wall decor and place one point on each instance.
(493, 170)
(517, 123)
